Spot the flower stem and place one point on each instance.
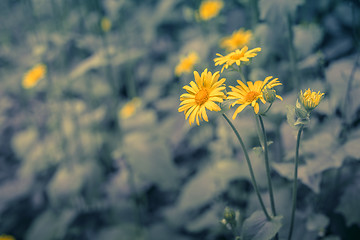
(267, 165)
(295, 182)
(292, 55)
(253, 181)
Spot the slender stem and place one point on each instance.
(295, 182)
(292, 55)
(249, 165)
(243, 79)
(267, 165)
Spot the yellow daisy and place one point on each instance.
(105, 24)
(238, 39)
(130, 108)
(251, 93)
(6, 237)
(210, 9)
(32, 77)
(186, 64)
(309, 99)
(236, 56)
(201, 95)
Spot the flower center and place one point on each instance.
(202, 96)
(236, 56)
(251, 96)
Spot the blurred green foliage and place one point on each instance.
(71, 167)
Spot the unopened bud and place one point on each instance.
(269, 95)
(300, 111)
(229, 215)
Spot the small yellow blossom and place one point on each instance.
(309, 99)
(32, 77)
(251, 93)
(210, 9)
(105, 24)
(236, 56)
(6, 237)
(201, 95)
(130, 108)
(237, 40)
(186, 63)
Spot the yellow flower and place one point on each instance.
(32, 77)
(6, 237)
(201, 95)
(309, 99)
(237, 40)
(105, 24)
(209, 9)
(129, 108)
(237, 57)
(186, 64)
(251, 93)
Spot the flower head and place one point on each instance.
(236, 56)
(129, 108)
(250, 94)
(201, 95)
(210, 9)
(310, 100)
(32, 77)
(186, 64)
(6, 237)
(237, 40)
(105, 24)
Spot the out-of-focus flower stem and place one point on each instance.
(292, 55)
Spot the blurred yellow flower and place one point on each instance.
(105, 24)
(6, 237)
(201, 95)
(209, 9)
(32, 77)
(251, 93)
(186, 63)
(237, 40)
(236, 56)
(130, 108)
(309, 99)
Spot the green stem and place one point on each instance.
(292, 55)
(295, 182)
(253, 181)
(267, 165)
(243, 79)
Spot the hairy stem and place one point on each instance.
(253, 180)
(295, 182)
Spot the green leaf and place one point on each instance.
(349, 204)
(150, 160)
(257, 227)
(51, 225)
(271, 10)
(210, 182)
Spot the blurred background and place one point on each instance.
(93, 145)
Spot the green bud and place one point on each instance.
(229, 215)
(269, 95)
(300, 111)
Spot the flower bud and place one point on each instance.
(310, 100)
(229, 215)
(269, 95)
(300, 111)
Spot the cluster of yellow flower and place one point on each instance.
(207, 90)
